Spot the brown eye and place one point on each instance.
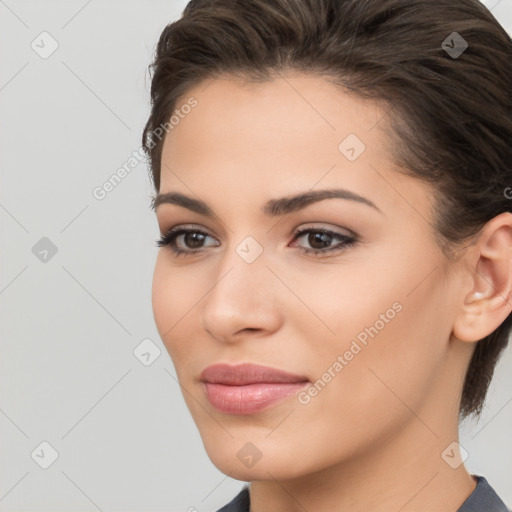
(184, 241)
(321, 239)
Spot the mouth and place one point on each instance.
(248, 388)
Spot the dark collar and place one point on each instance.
(483, 498)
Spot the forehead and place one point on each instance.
(291, 117)
(293, 104)
(285, 135)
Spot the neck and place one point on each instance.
(406, 473)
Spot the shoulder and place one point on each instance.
(240, 503)
(483, 497)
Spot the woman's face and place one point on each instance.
(366, 321)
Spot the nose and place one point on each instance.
(243, 300)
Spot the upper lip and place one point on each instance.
(247, 373)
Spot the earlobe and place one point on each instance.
(476, 296)
(486, 306)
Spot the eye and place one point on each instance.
(320, 240)
(189, 238)
(188, 241)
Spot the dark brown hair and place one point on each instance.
(451, 122)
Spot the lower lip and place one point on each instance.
(250, 398)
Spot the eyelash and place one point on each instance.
(168, 240)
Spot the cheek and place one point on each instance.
(371, 393)
(171, 300)
(161, 302)
(335, 303)
(389, 328)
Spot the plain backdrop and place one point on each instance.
(75, 278)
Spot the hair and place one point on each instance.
(452, 114)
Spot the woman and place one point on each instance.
(335, 272)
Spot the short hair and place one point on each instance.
(452, 105)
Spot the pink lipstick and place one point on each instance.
(247, 388)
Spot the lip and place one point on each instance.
(247, 373)
(248, 388)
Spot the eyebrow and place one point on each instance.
(272, 208)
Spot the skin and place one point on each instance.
(372, 438)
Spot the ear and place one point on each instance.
(488, 303)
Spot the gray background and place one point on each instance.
(69, 325)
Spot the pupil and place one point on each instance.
(193, 239)
(322, 238)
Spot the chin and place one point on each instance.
(267, 463)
